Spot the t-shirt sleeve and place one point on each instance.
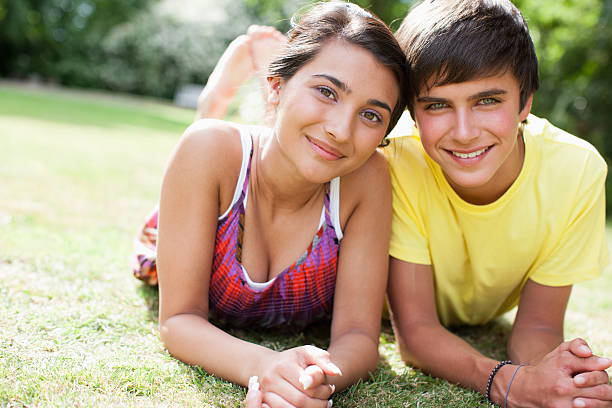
(408, 235)
(581, 252)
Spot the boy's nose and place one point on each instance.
(465, 129)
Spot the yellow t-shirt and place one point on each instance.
(549, 226)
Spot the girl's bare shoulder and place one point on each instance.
(367, 186)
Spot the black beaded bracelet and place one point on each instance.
(492, 375)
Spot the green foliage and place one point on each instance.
(154, 54)
(574, 45)
(37, 34)
(391, 12)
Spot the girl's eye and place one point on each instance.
(326, 92)
(372, 116)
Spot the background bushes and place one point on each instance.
(149, 47)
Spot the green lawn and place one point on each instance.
(79, 171)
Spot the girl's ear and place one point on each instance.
(274, 87)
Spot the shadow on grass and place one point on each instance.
(391, 384)
(490, 339)
(150, 294)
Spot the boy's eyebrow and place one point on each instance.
(489, 92)
(479, 95)
(344, 87)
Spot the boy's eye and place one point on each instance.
(326, 92)
(436, 106)
(372, 116)
(488, 101)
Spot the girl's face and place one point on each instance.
(332, 114)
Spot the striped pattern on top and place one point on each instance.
(299, 295)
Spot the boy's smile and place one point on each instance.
(471, 130)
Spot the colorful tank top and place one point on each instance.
(299, 295)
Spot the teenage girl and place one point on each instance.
(288, 224)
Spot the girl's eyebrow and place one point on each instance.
(380, 104)
(344, 87)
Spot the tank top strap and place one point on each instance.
(245, 185)
(332, 206)
(242, 183)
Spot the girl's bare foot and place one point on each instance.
(265, 45)
(234, 67)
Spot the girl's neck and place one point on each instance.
(276, 181)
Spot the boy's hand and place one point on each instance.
(570, 376)
(297, 377)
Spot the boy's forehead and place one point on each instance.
(500, 80)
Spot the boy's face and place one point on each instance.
(471, 130)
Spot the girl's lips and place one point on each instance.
(324, 150)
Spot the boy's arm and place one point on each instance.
(422, 340)
(426, 344)
(538, 327)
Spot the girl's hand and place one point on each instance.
(254, 397)
(298, 378)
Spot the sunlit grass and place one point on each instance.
(79, 171)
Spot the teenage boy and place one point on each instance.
(490, 213)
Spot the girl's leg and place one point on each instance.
(233, 68)
(265, 45)
(246, 55)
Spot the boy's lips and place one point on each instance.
(325, 150)
(468, 157)
(469, 154)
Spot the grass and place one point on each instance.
(79, 172)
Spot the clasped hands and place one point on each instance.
(295, 378)
(570, 376)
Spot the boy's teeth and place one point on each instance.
(469, 155)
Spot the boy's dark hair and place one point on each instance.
(451, 41)
(338, 20)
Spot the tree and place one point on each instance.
(36, 35)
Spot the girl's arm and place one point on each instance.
(199, 182)
(192, 189)
(362, 272)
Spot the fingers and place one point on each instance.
(579, 348)
(591, 379)
(315, 355)
(601, 392)
(593, 363)
(287, 391)
(274, 400)
(254, 395)
(314, 382)
(590, 403)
